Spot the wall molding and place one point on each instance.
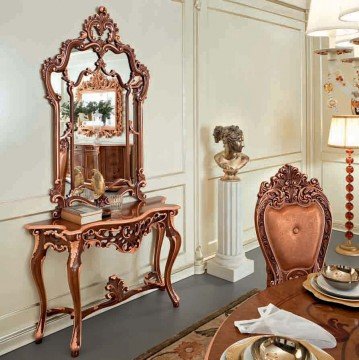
(273, 15)
(300, 5)
(174, 180)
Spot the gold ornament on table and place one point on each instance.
(79, 181)
(99, 188)
(98, 183)
(231, 159)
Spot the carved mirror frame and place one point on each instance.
(94, 29)
(100, 83)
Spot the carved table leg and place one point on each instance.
(37, 259)
(157, 258)
(73, 276)
(175, 245)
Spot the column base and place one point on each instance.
(229, 271)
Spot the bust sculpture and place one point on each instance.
(231, 159)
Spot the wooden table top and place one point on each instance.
(341, 321)
(130, 212)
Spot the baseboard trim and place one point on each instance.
(340, 226)
(250, 244)
(25, 336)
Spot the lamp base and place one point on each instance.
(347, 249)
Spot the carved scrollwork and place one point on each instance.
(116, 289)
(125, 238)
(289, 186)
(153, 278)
(100, 34)
(52, 239)
(100, 22)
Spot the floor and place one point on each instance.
(129, 330)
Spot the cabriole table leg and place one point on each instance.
(175, 245)
(73, 276)
(158, 246)
(37, 260)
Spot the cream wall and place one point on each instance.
(251, 72)
(161, 33)
(211, 62)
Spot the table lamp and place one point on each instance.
(344, 133)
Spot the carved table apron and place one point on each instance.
(125, 234)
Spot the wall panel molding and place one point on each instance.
(226, 28)
(258, 13)
(174, 180)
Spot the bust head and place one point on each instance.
(231, 159)
(231, 136)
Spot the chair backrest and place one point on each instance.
(293, 224)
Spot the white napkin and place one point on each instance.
(283, 323)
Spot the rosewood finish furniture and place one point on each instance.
(99, 37)
(293, 224)
(341, 321)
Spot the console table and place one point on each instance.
(125, 234)
(116, 174)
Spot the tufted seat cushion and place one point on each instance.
(295, 234)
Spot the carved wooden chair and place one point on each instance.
(293, 224)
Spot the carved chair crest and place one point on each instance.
(290, 187)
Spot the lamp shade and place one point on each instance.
(344, 40)
(344, 132)
(349, 10)
(324, 20)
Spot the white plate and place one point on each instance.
(352, 294)
(247, 353)
(223, 357)
(317, 288)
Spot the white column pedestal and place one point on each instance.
(230, 262)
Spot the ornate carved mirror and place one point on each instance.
(96, 87)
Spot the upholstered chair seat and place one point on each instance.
(293, 224)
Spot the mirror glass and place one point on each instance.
(98, 101)
(119, 64)
(96, 87)
(99, 107)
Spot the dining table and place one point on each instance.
(341, 321)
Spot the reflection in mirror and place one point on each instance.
(79, 61)
(60, 86)
(99, 131)
(99, 100)
(119, 64)
(97, 124)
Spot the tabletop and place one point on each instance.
(130, 212)
(341, 321)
